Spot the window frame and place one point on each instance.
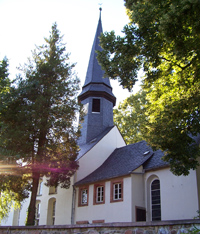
(53, 212)
(96, 106)
(53, 190)
(112, 193)
(102, 200)
(40, 187)
(81, 189)
(153, 218)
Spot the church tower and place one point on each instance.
(96, 96)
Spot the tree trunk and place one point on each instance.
(32, 206)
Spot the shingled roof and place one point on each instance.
(155, 161)
(123, 161)
(95, 83)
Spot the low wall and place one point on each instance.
(161, 227)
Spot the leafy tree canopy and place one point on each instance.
(38, 116)
(162, 38)
(130, 117)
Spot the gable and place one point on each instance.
(94, 155)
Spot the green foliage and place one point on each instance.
(162, 38)
(4, 80)
(130, 117)
(14, 190)
(38, 117)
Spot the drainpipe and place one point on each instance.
(73, 205)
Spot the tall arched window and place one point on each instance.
(51, 211)
(155, 200)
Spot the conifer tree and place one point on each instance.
(39, 115)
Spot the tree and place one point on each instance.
(130, 117)
(162, 38)
(13, 189)
(38, 118)
(4, 80)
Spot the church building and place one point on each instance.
(115, 182)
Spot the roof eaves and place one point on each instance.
(156, 168)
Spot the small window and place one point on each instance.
(96, 105)
(99, 194)
(39, 192)
(83, 196)
(117, 191)
(155, 200)
(52, 190)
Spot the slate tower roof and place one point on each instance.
(96, 96)
(95, 84)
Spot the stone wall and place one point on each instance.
(162, 227)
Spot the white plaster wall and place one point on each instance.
(17, 217)
(63, 204)
(109, 212)
(178, 194)
(99, 153)
(63, 207)
(137, 193)
(8, 221)
(23, 212)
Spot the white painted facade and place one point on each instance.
(179, 195)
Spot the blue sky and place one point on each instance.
(25, 23)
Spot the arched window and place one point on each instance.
(51, 211)
(155, 200)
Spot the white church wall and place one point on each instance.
(63, 198)
(64, 206)
(8, 221)
(137, 192)
(99, 153)
(178, 194)
(23, 212)
(109, 211)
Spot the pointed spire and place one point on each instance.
(96, 96)
(94, 81)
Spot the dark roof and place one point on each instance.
(121, 162)
(88, 146)
(155, 161)
(94, 81)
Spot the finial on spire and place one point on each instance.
(100, 9)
